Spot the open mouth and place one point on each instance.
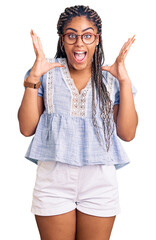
(80, 56)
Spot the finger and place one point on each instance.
(40, 44)
(34, 35)
(125, 45)
(124, 50)
(132, 38)
(105, 68)
(127, 49)
(40, 48)
(36, 43)
(131, 41)
(31, 32)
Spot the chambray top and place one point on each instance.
(65, 131)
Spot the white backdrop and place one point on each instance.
(121, 20)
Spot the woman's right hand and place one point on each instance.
(41, 65)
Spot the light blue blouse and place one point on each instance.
(65, 131)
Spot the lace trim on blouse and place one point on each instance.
(49, 87)
(110, 80)
(79, 101)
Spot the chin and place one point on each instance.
(77, 64)
(79, 67)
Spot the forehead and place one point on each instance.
(80, 23)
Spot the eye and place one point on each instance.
(71, 36)
(87, 35)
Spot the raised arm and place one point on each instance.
(32, 105)
(125, 115)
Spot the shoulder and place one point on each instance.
(51, 59)
(111, 83)
(59, 60)
(109, 80)
(107, 76)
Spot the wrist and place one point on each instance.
(33, 79)
(125, 86)
(32, 83)
(125, 82)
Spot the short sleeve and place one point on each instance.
(41, 89)
(117, 91)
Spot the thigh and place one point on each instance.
(98, 191)
(54, 192)
(91, 227)
(57, 227)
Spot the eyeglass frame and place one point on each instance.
(81, 37)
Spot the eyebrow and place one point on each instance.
(82, 30)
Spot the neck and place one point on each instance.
(82, 73)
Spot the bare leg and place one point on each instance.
(91, 227)
(58, 227)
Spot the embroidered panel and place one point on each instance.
(110, 80)
(78, 102)
(49, 87)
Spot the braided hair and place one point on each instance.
(105, 104)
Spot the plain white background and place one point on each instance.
(121, 20)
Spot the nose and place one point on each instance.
(79, 41)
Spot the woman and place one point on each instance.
(77, 108)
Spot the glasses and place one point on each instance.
(87, 38)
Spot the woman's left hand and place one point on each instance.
(118, 69)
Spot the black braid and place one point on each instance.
(105, 103)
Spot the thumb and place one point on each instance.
(53, 65)
(106, 68)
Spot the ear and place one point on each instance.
(62, 39)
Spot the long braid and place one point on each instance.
(105, 103)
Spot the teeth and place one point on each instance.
(79, 55)
(79, 52)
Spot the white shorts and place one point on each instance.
(60, 188)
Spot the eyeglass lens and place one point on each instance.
(87, 38)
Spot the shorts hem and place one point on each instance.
(99, 213)
(51, 212)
